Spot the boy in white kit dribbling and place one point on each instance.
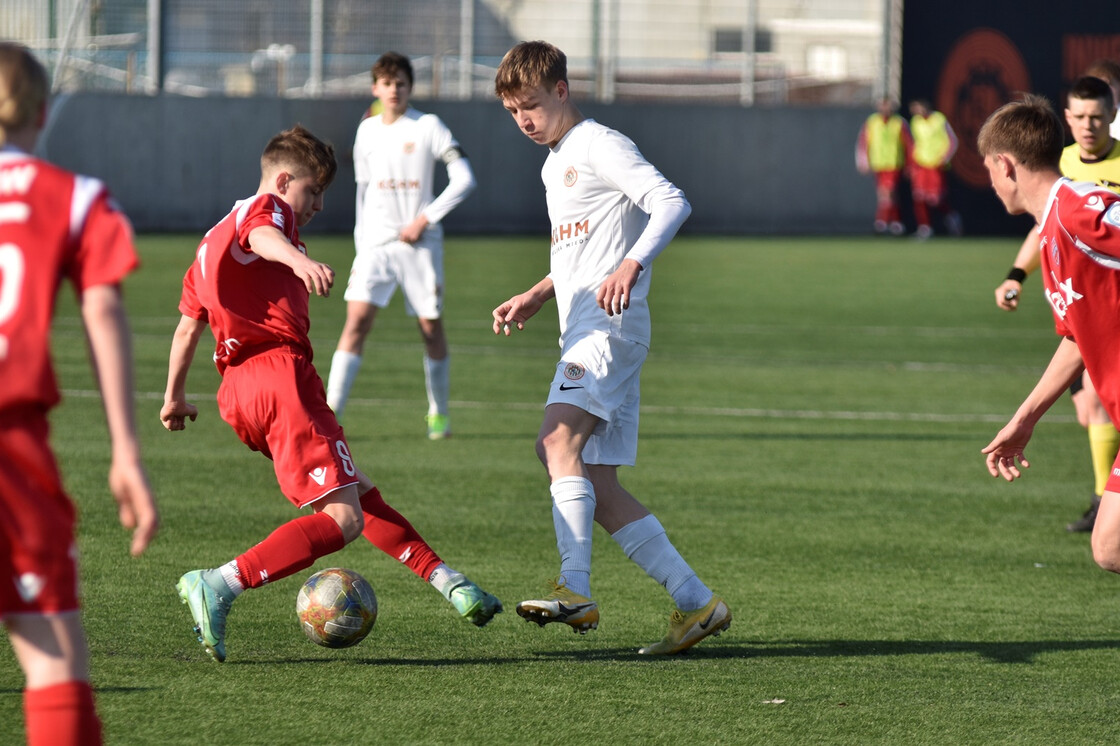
(397, 233)
(612, 213)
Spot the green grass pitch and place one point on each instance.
(813, 414)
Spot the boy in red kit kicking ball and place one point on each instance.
(55, 225)
(1079, 251)
(250, 282)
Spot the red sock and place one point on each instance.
(61, 715)
(291, 548)
(391, 532)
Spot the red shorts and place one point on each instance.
(887, 181)
(928, 184)
(38, 570)
(276, 404)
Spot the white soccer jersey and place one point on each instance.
(394, 166)
(601, 194)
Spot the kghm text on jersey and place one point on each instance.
(569, 231)
(393, 185)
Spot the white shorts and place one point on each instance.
(417, 268)
(600, 374)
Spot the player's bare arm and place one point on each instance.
(176, 409)
(520, 308)
(269, 243)
(614, 294)
(111, 356)
(1009, 291)
(1005, 452)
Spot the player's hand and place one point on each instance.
(136, 507)
(514, 313)
(1007, 295)
(1005, 452)
(614, 294)
(174, 414)
(317, 277)
(411, 233)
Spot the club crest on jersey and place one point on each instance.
(409, 148)
(573, 371)
(571, 176)
(1042, 246)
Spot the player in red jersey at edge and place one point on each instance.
(1079, 250)
(55, 225)
(250, 282)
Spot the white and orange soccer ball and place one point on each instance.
(336, 608)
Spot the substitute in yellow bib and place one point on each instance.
(935, 142)
(881, 149)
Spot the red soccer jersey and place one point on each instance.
(1080, 253)
(247, 301)
(53, 225)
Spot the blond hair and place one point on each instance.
(300, 152)
(24, 87)
(528, 65)
(1027, 129)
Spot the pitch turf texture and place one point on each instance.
(813, 414)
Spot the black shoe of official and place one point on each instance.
(1086, 521)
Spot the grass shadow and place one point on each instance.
(1012, 651)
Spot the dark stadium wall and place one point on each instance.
(968, 58)
(178, 163)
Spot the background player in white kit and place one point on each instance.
(397, 233)
(612, 213)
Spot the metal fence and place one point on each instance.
(740, 52)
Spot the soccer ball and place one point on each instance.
(336, 608)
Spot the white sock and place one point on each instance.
(646, 543)
(232, 576)
(445, 580)
(344, 369)
(573, 515)
(437, 379)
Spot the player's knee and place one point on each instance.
(1107, 555)
(542, 450)
(557, 453)
(351, 523)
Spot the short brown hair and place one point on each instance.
(1028, 129)
(389, 64)
(24, 87)
(300, 152)
(528, 65)
(1092, 88)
